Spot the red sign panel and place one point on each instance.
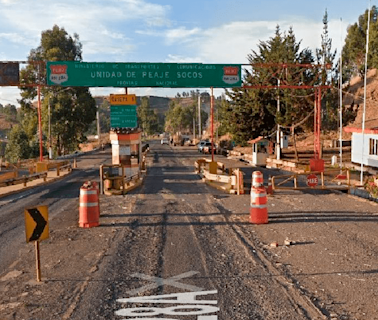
(312, 180)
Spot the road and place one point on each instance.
(60, 197)
(178, 249)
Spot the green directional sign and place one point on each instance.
(123, 116)
(168, 75)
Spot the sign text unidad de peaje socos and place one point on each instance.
(189, 71)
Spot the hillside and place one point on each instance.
(354, 97)
(4, 124)
(160, 104)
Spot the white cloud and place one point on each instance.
(231, 43)
(100, 25)
(182, 59)
(182, 35)
(9, 95)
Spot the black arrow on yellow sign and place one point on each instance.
(40, 221)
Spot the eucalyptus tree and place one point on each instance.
(72, 110)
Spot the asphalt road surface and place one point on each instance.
(179, 242)
(60, 196)
(178, 249)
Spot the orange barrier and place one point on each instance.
(258, 212)
(257, 179)
(89, 211)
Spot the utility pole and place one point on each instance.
(363, 114)
(341, 103)
(194, 127)
(98, 126)
(50, 148)
(278, 144)
(217, 139)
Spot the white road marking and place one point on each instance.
(184, 298)
(181, 181)
(187, 304)
(170, 311)
(159, 282)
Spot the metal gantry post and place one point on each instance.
(212, 123)
(317, 119)
(40, 124)
(199, 117)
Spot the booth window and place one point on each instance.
(373, 150)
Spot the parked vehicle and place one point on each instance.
(205, 147)
(201, 145)
(164, 141)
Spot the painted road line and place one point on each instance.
(159, 282)
(186, 304)
(181, 181)
(183, 298)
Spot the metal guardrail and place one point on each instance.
(24, 179)
(341, 180)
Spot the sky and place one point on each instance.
(199, 31)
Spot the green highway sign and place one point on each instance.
(123, 116)
(123, 110)
(167, 75)
(123, 122)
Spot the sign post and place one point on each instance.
(37, 229)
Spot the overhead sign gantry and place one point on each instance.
(169, 75)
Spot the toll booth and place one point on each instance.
(127, 150)
(260, 147)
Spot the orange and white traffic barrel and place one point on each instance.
(257, 179)
(89, 210)
(258, 212)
